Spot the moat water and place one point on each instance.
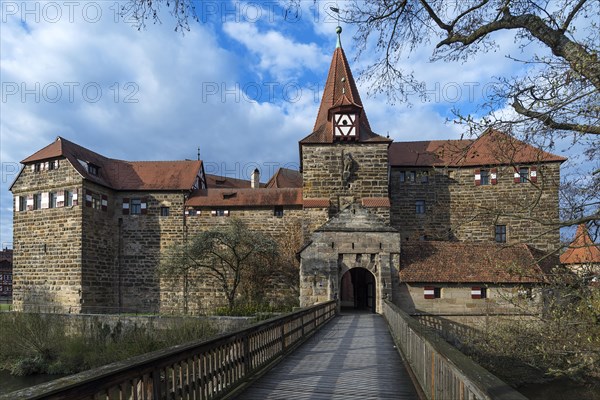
(10, 383)
(560, 389)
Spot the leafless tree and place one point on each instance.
(231, 257)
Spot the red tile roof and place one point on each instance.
(582, 249)
(338, 93)
(460, 262)
(216, 181)
(491, 148)
(119, 174)
(320, 202)
(375, 202)
(285, 178)
(245, 197)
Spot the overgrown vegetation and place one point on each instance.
(561, 342)
(44, 344)
(249, 269)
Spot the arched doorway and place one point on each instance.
(358, 290)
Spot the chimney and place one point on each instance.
(255, 179)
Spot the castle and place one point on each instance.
(435, 226)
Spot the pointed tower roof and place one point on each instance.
(582, 249)
(340, 90)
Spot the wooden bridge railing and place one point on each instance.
(209, 369)
(442, 371)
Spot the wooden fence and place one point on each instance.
(209, 369)
(442, 371)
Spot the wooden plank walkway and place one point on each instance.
(353, 357)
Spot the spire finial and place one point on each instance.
(338, 30)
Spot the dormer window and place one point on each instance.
(93, 169)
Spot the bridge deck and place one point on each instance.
(353, 357)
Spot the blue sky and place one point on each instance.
(243, 85)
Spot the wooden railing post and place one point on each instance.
(219, 366)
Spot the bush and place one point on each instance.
(36, 343)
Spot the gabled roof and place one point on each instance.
(119, 174)
(491, 148)
(223, 182)
(582, 249)
(245, 197)
(285, 178)
(338, 92)
(462, 262)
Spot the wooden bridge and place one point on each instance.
(314, 353)
(353, 357)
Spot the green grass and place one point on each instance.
(5, 307)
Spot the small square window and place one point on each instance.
(164, 211)
(402, 176)
(52, 200)
(425, 177)
(68, 198)
(135, 206)
(478, 292)
(500, 233)
(411, 176)
(431, 292)
(22, 203)
(96, 201)
(524, 174)
(484, 177)
(278, 211)
(420, 207)
(220, 212)
(37, 167)
(37, 201)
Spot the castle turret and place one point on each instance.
(343, 160)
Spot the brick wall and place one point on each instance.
(457, 209)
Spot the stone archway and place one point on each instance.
(358, 290)
(353, 240)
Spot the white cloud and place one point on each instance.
(279, 55)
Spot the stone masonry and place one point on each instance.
(456, 209)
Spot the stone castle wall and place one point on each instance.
(47, 258)
(323, 172)
(456, 299)
(204, 293)
(456, 209)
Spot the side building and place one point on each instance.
(6, 275)
(88, 230)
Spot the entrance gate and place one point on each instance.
(358, 290)
(353, 258)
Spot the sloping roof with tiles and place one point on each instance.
(582, 249)
(491, 148)
(285, 178)
(460, 262)
(119, 174)
(245, 197)
(340, 89)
